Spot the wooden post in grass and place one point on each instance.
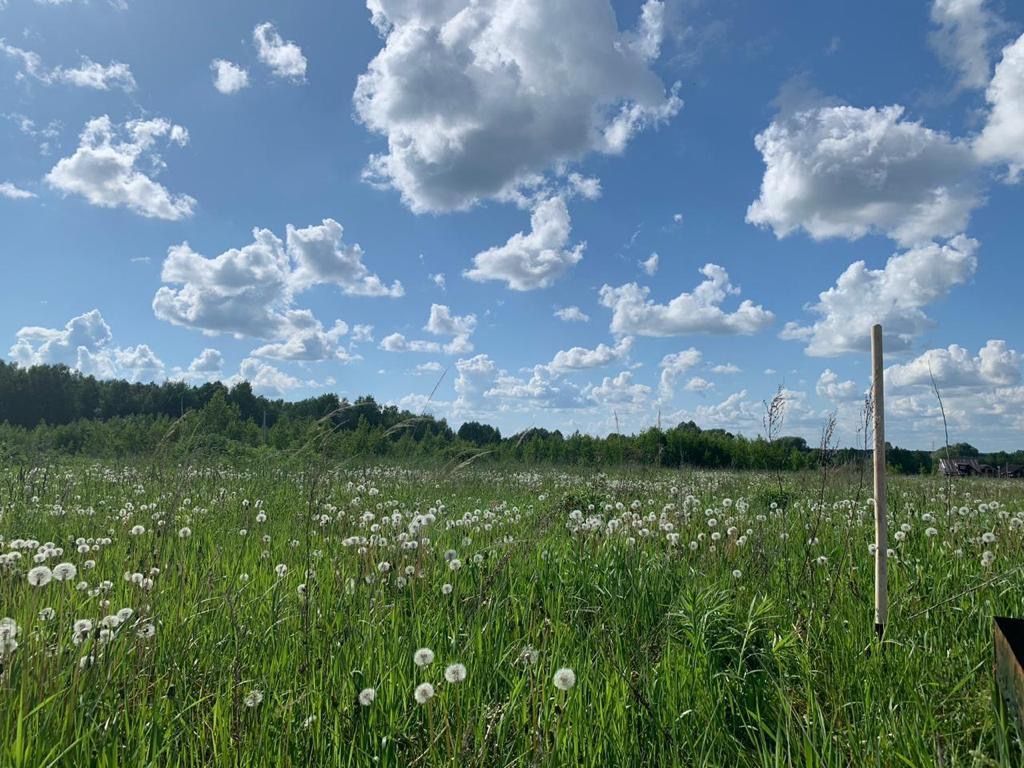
(881, 505)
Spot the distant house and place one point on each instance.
(973, 468)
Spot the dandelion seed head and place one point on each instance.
(424, 692)
(455, 673)
(564, 679)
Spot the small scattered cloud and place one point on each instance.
(284, 58)
(228, 77)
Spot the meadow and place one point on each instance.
(289, 614)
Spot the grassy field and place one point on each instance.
(275, 616)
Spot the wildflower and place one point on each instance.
(529, 656)
(564, 679)
(455, 564)
(47, 614)
(253, 698)
(987, 558)
(280, 569)
(423, 657)
(424, 692)
(384, 566)
(931, 532)
(455, 673)
(366, 696)
(8, 636)
(81, 630)
(40, 576)
(145, 631)
(184, 533)
(737, 574)
(64, 572)
(446, 589)
(988, 537)
(137, 530)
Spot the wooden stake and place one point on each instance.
(881, 504)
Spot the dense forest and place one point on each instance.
(53, 409)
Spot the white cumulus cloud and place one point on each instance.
(475, 98)
(688, 313)
(572, 315)
(105, 169)
(535, 259)
(995, 365)
(250, 291)
(895, 296)
(85, 344)
(1002, 139)
(839, 171)
(228, 77)
(581, 358)
(962, 38)
(285, 59)
(673, 366)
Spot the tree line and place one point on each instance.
(54, 409)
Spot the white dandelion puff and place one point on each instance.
(64, 571)
(423, 657)
(424, 692)
(455, 673)
(40, 576)
(564, 679)
(253, 698)
(366, 696)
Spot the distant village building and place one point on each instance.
(975, 468)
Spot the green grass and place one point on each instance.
(678, 661)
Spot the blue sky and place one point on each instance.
(801, 170)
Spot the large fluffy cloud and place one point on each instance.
(839, 171)
(321, 256)
(534, 259)
(1002, 139)
(688, 313)
(995, 365)
(895, 296)
(85, 344)
(250, 291)
(106, 168)
(475, 98)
